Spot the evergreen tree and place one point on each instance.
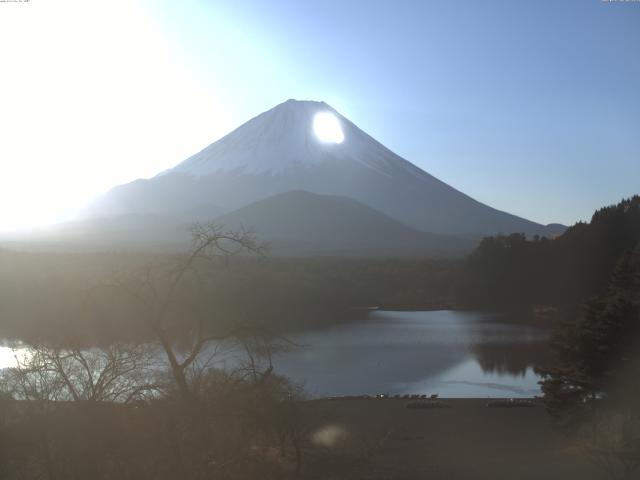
(598, 353)
(509, 271)
(593, 391)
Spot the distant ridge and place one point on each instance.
(300, 222)
(295, 223)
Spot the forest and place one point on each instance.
(71, 295)
(515, 272)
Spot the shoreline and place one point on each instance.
(467, 440)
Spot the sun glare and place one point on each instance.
(79, 117)
(327, 128)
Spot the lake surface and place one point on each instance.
(454, 354)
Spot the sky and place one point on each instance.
(532, 107)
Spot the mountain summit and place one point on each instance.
(283, 139)
(279, 151)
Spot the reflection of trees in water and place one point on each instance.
(510, 358)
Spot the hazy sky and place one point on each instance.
(530, 106)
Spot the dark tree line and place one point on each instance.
(49, 296)
(511, 271)
(592, 391)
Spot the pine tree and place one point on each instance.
(593, 390)
(597, 350)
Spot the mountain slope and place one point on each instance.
(278, 151)
(299, 222)
(122, 232)
(295, 223)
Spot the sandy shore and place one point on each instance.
(382, 439)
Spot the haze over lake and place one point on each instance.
(454, 354)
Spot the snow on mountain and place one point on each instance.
(283, 138)
(278, 151)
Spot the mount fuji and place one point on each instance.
(278, 152)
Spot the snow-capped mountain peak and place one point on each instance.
(278, 151)
(284, 138)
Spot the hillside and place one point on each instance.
(304, 223)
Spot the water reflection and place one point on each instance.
(514, 359)
(456, 354)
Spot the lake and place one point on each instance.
(452, 353)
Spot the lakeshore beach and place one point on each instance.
(383, 439)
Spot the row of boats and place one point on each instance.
(384, 396)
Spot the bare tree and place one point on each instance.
(80, 433)
(116, 373)
(65, 404)
(161, 301)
